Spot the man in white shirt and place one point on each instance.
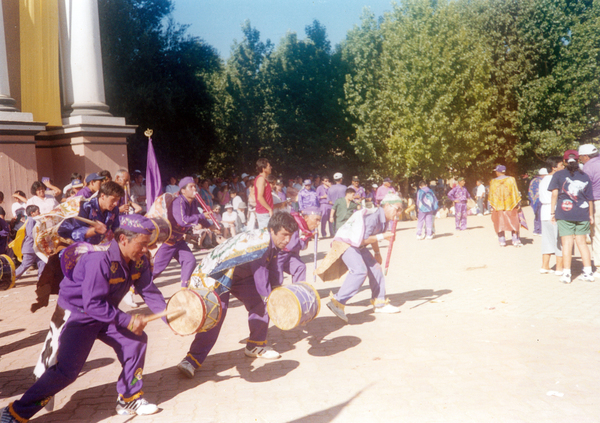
(551, 243)
(480, 196)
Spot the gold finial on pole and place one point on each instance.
(148, 133)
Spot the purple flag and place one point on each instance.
(153, 181)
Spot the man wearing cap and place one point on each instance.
(383, 190)
(91, 292)
(505, 200)
(183, 214)
(588, 155)
(325, 206)
(307, 197)
(74, 188)
(93, 182)
(288, 259)
(343, 209)
(337, 190)
(349, 251)
(360, 193)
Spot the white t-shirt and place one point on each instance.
(480, 191)
(545, 198)
(236, 202)
(16, 206)
(45, 204)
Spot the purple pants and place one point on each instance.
(325, 212)
(182, 253)
(425, 218)
(258, 321)
(460, 215)
(75, 343)
(29, 259)
(361, 264)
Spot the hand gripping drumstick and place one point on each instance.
(207, 210)
(389, 254)
(173, 314)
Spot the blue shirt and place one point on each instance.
(375, 223)
(99, 282)
(574, 194)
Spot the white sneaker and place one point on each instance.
(420, 237)
(339, 312)
(140, 406)
(544, 271)
(560, 273)
(186, 368)
(565, 278)
(128, 299)
(265, 352)
(387, 309)
(586, 277)
(429, 237)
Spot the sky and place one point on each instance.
(218, 22)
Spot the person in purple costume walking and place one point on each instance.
(92, 293)
(459, 194)
(288, 259)
(427, 205)
(183, 214)
(325, 206)
(251, 283)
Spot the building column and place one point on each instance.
(7, 104)
(81, 59)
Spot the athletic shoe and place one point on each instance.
(387, 309)
(558, 272)
(429, 237)
(565, 278)
(545, 271)
(420, 237)
(587, 277)
(139, 406)
(518, 244)
(128, 299)
(265, 352)
(186, 368)
(7, 417)
(338, 311)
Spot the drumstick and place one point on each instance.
(174, 314)
(83, 219)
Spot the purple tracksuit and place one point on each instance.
(325, 209)
(29, 256)
(99, 282)
(90, 209)
(307, 198)
(362, 264)
(460, 209)
(252, 283)
(182, 215)
(289, 261)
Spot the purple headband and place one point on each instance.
(187, 180)
(136, 223)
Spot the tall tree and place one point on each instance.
(156, 77)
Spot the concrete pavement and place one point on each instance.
(482, 337)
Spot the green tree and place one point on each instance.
(156, 77)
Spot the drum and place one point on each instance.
(293, 305)
(162, 231)
(46, 240)
(7, 272)
(203, 310)
(71, 255)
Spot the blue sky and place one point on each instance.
(218, 22)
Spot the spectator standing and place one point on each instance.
(480, 197)
(573, 210)
(427, 205)
(342, 209)
(383, 190)
(264, 199)
(550, 240)
(46, 202)
(505, 200)
(307, 197)
(138, 190)
(325, 206)
(360, 193)
(588, 155)
(337, 190)
(534, 200)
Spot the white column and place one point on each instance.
(81, 58)
(7, 104)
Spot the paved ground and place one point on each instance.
(482, 337)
